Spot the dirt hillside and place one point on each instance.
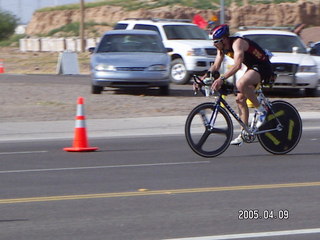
(284, 14)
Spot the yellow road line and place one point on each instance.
(158, 192)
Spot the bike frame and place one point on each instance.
(249, 130)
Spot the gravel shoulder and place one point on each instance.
(30, 90)
(54, 97)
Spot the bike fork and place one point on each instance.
(210, 123)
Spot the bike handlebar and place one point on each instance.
(212, 75)
(225, 89)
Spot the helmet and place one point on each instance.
(220, 31)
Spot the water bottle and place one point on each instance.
(261, 100)
(207, 87)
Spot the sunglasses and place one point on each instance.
(217, 41)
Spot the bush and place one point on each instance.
(72, 29)
(8, 24)
(12, 41)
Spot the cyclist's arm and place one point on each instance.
(217, 62)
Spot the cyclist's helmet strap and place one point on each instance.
(220, 31)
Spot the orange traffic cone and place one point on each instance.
(1, 66)
(80, 142)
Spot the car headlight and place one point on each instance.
(105, 67)
(157, 67)
(196, 52)
(312, 68)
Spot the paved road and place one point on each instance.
(157, 188)
(145, 183)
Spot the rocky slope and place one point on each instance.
(284, 14)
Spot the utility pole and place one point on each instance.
(20, 11)
(82, 11)
(221, 11)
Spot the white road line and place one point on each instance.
(310, 128)
(101, 167)
(254, 235)
(26, 152)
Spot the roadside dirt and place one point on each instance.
(17, 62)
(31, 98)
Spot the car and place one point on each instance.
(135, 58)
(315, 53)
(292, 63)
(193, 52)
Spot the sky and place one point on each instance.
(23, 9)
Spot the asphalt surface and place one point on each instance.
(155, 187)
(145, 183)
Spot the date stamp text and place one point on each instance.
(256, 214)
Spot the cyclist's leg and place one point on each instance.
(246, 85)
(242, 107)
(243, 114)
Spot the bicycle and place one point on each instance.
(209, 127)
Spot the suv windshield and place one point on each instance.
(278, 43)
(131, 43)
(175, 32)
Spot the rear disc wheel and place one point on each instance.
(285, 139)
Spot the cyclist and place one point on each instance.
(249, 53)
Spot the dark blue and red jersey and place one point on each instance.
(253, 56)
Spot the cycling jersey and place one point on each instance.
(255, 54)
(254, 58)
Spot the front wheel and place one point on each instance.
(208, 132)
(283, 140)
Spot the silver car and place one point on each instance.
(130, 58)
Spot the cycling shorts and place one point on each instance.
(265, 71)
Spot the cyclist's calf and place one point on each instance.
(241, 99)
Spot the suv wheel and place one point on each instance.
(178, 72)
(96, 89)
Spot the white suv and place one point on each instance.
(193, 52)
(295, 68)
